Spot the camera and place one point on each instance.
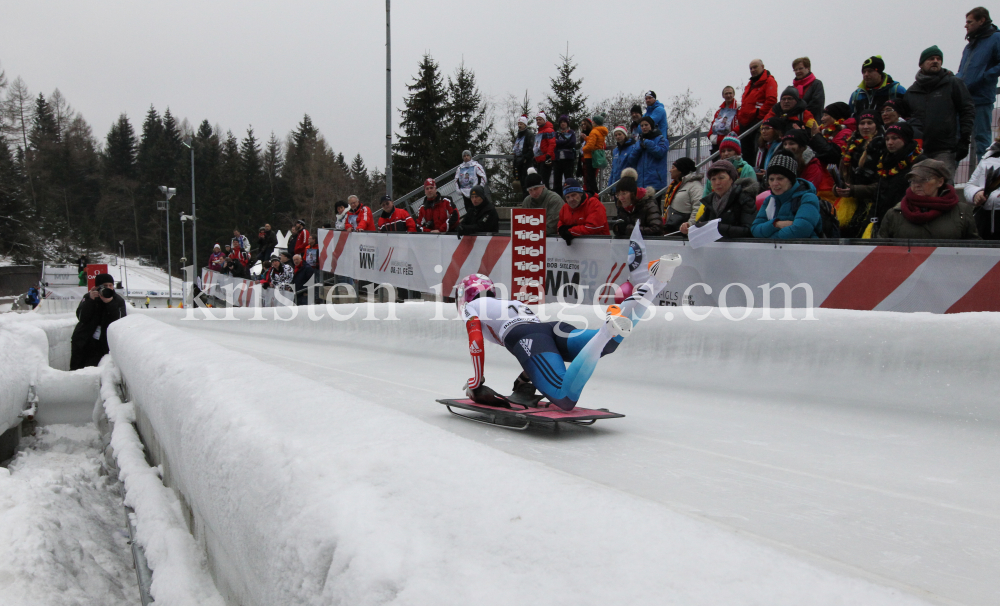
(107, 292)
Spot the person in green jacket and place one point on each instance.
(731, 149)
(930, 209)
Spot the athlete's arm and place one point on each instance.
(476, 350)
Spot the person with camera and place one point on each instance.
(98, 309)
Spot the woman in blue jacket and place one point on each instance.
(792, 210)
(624, 155)
(653, 148)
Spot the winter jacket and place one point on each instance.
(588, 219)
(658, 113)
(686, 198)
(544, 147)
(955, 224)
(469, 175)
(744, 168)
(482, 219)
(398, 220)
(552, 203)
(267, 244)
(977, 182)
(764, 154)
(595, 140)
(523, 149)
(240, 257)
(797, 115)
(216, 260)
(438, 214)
(759, 97)
(653, 170)
(813, 95)
(89, 342)
(566, 145)
(942, 113)
(341, 220)
(243, 242)
(724, 122)
(361, 219)
(827, 151)
(624, 155)
(873, 99)
(300, 277)
(646, 211)
(886, 191)
(737, 215)
(980, 66)
(799, 205)
(302, 242)
(814, 171)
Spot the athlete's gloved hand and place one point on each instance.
(566, 235)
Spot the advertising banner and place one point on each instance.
(528, 255)
(92, 271)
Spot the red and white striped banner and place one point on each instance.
(245, 293)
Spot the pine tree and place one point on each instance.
(120, 149)
(566, 99)
(418, 153)
(119, 204)
(468, 125)
(252, 201)
(18, 107)
(16, 218)
(276, 197)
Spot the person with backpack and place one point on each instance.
(792, 210)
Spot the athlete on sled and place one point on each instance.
(543, 348)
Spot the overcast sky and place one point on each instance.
(266, 64)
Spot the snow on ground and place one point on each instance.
(143, 279)
(63, 536)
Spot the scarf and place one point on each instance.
(930, 81)
(985, 30)
(924, 209)
(892, 164)
(671, 192)
(720, 202)
(803, 83)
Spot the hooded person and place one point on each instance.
(942, 112)
(983, 192)
(625, 153)
(930, 208)
(683, 195)
(653, 148)
(792, 108)
(875, 89)
(656, 111)
(540, 196)
(523, 150)
(796, 142)
(636, 205)
(469, 174)
(482, 217)
(96, 311)
(792, 209)
(733, 201)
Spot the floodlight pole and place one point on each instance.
(168, 192)
(194, 217)
(388, 104)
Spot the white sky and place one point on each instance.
(266, 64)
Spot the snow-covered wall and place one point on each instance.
(23, 351)
(304, 494)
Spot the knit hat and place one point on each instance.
(466, 152)
(523, 119)
(791, 91)
(599, 120)
(876, 62)
(685, 165)
(900, 106)
(799, 136)
(629, 181)
(725, 167)
(480, 191)
(571, 186)
(783, 163)
(541, 115)
(563, 118)
(933, 51)
(930, 169)
(776, 123)
(870, 114)
(275, 256)
(650, 93)
(902, 130)
(533, 179)
(301, 222)
(652, 123)
(838, 110)
(731, 142)
(635, 109)
(104, 279)
(216, 246)
(621, 128)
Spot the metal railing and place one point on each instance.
(699, 165)
(405, 199)
(694, 135)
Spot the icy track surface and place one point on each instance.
(864, 442)
(63, 539)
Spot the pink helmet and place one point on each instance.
(626, 292)
(471, 287)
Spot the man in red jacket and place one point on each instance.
(394, 219)
(545, 147)
(579, 216)
(359, 217)
(301, 238)
(759, 96)
(437, 215)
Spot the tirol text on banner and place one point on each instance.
(527, 240)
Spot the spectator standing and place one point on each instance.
(792, 209)
(930, 209)
(228, 251)
(524, 145)
(759, 96)
(359, 216)
(341, 209)
(581, 215)
(985, 196)
(859, 166)
(394, 219)
(809, 88)
(796, 143)
(301, 238)
(732, 150)
(683, 194)
(793, 109)
(216, 259)
(653, 148)
(733, 202)
(544, 148)
(239, 255)
(656, 111)
(482, 217)
(895, 111)
(979, 69)
(768, 143)
(242, 240)
(267, 241)
(942, 112)
(596, 140)
(540, 196)
(312, 253)
(302, 276)
(875, 89)
(636, 113)
(636, 205)
(469, 174)
(281, 281)
(565, 163)
(437, 215)
(625, 154)
(96, 311)
(724, 121)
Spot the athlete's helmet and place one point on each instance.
(471, 287)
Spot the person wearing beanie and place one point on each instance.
(683, 194)
(523, 151)
(482, 217)
(930, 208)
(96, 311)
(796, 142)
(636, 114)
(941, 110)
(544, 149)
(469, 174)
(636, 205)
(731, 149)
(792, 210)
(876, 87)
(217, 259)
(769, 142)
(979, 69)
(565, 164)
(653, 148)
(724, 121)
(793, 109)
(759, 96)
(732, 202)
(581, 215)
(809, 88)
(596, 138)
(625, 153)
(895, 111)
(656, 111)
(540, 196)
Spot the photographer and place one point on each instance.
(98, 309)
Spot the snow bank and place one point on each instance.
(179, 574)
(304, 494)
(23, 352)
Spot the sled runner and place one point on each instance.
(519, 417)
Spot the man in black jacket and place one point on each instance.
(942, 110)
(267, 240)
(303, 274)
(482, 217)
(97, 310)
